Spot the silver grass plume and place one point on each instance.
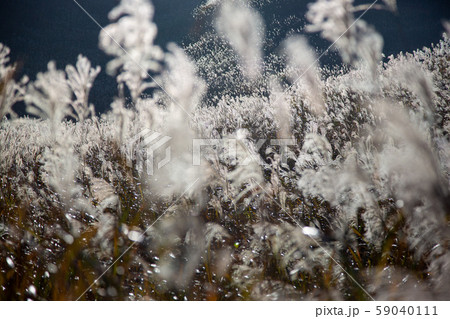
(244, 29)
(446, 25)
(409, 150)
(246, 176)
(184, 93)
(80, 80)
(281, 109)
(123, 119)
(130, 39)
(11, 91)
(355, 40)
(49, 96)
(303, 71)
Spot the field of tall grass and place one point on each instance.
(223, 173)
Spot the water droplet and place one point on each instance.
(112, 291)
(120, 270)
(32, 290)
(52, 268)
(293, 272)
(436, 246)
(311, 232)
(101, 292)
(10, 262)
(68, 239)
(135, 236)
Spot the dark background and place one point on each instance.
(38, 31)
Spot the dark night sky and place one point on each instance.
(41, 30)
